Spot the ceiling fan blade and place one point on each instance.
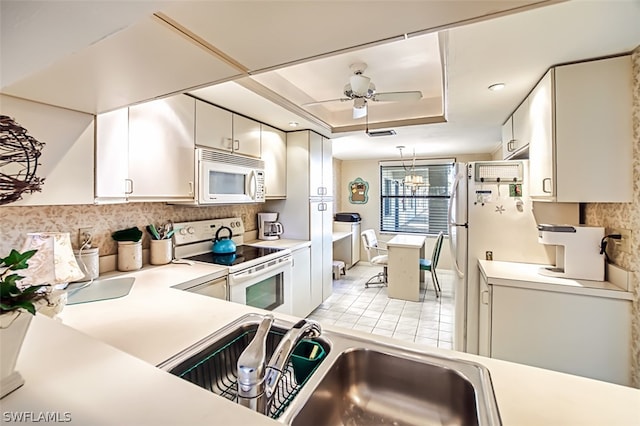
(326, 101)
(397, 96)
(359, 112)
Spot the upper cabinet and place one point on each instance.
(320, 166)
(274, 154)
(221, 129)
(580, 127)
(516, 132)
(66, 160)
(146, 152)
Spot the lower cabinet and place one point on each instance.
(301, 283)
(584, 335)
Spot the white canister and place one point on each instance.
(161, 252)
(129, 255)
(89, 262)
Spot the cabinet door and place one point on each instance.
(301, 282)
(521, 132)
(214, 128)
(316, 176)
(246, 136)
(355, 243)
(274, 154)
(484, 318)
(112, 156)
(316, 214)
(327, 167)
(507, 138)
(541, 146)
(161, 149)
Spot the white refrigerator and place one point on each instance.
(492, 217)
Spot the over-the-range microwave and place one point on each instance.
(225, 178)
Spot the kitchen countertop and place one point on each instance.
(281, 243)
(525, 275)
(103, 371)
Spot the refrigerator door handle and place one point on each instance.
(455, 189)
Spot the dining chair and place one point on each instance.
(376, 256)
(432, 264)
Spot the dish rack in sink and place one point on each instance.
(215, 369)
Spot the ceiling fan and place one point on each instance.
(360, 90)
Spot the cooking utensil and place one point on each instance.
(223, 245)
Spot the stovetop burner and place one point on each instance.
(243, 254)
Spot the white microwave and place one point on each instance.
(227, 178)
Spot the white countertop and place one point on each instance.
(401, 240)
(104, 372)
(339, 235)
(525, 275)
(281, 243)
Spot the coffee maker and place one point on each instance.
(268, 226)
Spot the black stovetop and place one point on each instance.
(243, 254)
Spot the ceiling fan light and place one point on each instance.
(360, 84)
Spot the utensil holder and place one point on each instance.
(129, 255)
(161, 252)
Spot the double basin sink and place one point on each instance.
(357, 381)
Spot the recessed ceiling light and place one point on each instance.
(293, 124)
(495, 87)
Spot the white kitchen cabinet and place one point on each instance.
(66, 162)
(214, 126)
(304, 214)
(112, 156)
(274, 155)
(161, 149)
(320, 166)
(580, 118)
(582, 334)
(354, 242)
(221, 129)
(146, 152)
(516, 132)
(301, 282)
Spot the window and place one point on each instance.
(415, 198)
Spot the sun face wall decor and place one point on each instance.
(358, 191)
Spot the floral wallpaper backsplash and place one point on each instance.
(627, 216)
(15, 222)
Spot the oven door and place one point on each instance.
(265, 286)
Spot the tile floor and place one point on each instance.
(353, 306)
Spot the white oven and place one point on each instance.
(265, 286)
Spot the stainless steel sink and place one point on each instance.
(359, 382)
(365, 387)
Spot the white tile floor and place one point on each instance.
(353, 306)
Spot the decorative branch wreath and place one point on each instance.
(19, 153)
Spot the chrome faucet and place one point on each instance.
(257, 379)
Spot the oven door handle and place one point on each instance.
(242, 276)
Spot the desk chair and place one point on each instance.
(376, 256)
(431, 264)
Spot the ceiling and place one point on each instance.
(122, 53)
(515, 50)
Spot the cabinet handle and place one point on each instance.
(190, 187)
(544, 186)
(129, 186)
(322, 207)
(511, 145)
(230, 141)
(236, 148)
(485, 298)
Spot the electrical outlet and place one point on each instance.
(624, 244)
(84, 235)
